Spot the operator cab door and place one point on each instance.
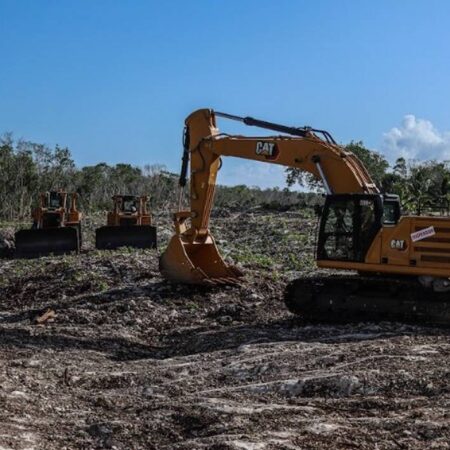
(348, 226)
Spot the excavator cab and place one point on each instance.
(350, 222)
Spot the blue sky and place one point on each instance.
(114, 80)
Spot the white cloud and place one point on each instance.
(416, 139)
(252, 173)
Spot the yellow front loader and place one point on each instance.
(129, 224)
(56, 228)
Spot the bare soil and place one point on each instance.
(98, 351)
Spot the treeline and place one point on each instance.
(27, 168)
(422, 187)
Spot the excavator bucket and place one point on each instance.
(57, 241)
(137, 236)
(196, 263)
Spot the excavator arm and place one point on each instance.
(192, 255)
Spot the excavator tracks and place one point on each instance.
(354, 298)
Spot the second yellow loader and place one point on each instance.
(129, 224)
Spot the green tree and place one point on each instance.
(420, 186)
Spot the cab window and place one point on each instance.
(390, 213)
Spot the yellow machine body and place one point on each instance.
(56, 227)
(403, 262)
(129, 224)
(192, 255)
(394, 252)
(129, 210)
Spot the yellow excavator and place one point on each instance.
(399, 266)
(56, 229)
(129, 224)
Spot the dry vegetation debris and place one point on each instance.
(130, 361)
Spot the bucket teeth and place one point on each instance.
(221, 281)
(230, 280)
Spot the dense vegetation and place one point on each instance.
(422, 186)
(28, 168)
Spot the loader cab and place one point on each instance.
(55, 200)
(348, 225)
(130, 204)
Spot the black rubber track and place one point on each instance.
(360, 298)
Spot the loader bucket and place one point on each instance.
(42, 242)
(196, 263)
(137, 236)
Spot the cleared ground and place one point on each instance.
(126, 360)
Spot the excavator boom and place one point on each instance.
(192, 255)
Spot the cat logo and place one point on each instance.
(267, 149)
(398, 244)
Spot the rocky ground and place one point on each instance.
(97, 351)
